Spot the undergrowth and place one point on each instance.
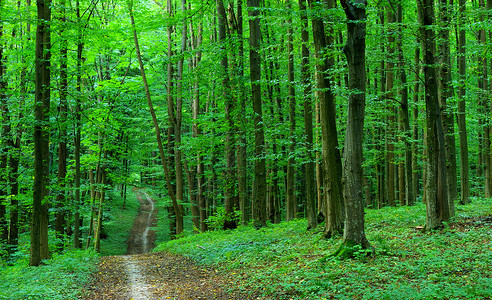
(62, 277)
(118, 222)
(284, 261)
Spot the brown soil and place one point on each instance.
(142, 275)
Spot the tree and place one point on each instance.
(354, 50)
(463, 135)
(259, 195)
(291, 201)
(332, 185)
(309, 166)
(39, 223)
(436, 186)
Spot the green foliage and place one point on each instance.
(62, 277)
(218, 219)
(406, 263)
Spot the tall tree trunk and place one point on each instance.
(77, 138)
(484, 102)
(61, 204)
(241, 106)
(409, 192)
(200, 167)
(39, 223)
(309, 166)
(436, 185)
(5, 134)
(415, 129)
(178, 163)
(332, 185)
(230, 184)
(391, 126)
(291, 202)
(445, 93)
(259, 197)
(463, 135)
(352, 157)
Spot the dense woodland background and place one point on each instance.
(239, 110)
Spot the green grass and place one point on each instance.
(285, 261)
(62, 277)
(118, 222)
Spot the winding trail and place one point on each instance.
(142, 275)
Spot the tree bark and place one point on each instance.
(436, 183)
(39, 223)
(259, 197)
(291, 201)
(230, 184)
(309, 166)
(61, 204)
(445, 93)
(332, 184)
(354, 50)
(409, 192)
(463, 135)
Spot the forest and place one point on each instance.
(242, 115)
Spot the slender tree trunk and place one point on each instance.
(409, 192)
(332, 185)
(445, 93)
(230, 184)
(291, 201)
(484, 102)
(259, 197)
(415, 129)
(463, 135)
(61, 204)
(80, 46)
(5, 135)
(309, 166)
(436, 187)
(39, 223)
(390, 100)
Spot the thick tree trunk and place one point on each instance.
(332, 184)
(259, 197)
(352, 157)
(436, 187)
(39, 223)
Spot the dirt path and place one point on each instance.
(142, 275)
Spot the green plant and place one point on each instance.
(218, 220)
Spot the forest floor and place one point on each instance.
(144, 275)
